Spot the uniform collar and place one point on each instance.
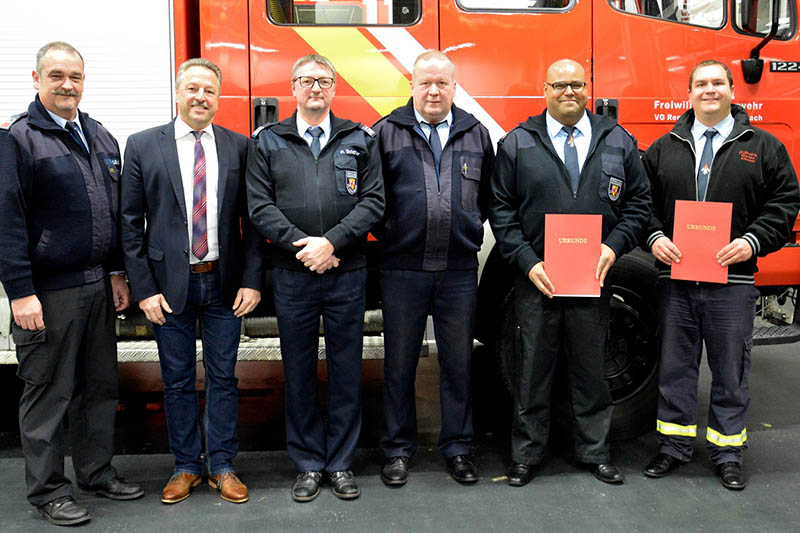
(724, 127)
(302, 126)
(554, 126)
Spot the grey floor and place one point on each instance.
(562, 497)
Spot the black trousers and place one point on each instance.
(579, 326)
(70, 374)
(408, 296)
(339, 298)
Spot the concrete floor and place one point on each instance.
(562, 497)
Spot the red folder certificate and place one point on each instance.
(701, 230)
(571, 252)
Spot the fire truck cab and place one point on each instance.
(638, 53)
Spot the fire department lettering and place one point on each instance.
(351, 181)
(614, 188)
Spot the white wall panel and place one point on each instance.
(126, 45)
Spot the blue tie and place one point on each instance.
(436, 144)
(315, 132)
(72, 128)
(571, 158)
(704, 172)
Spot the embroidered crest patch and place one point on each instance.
(614, 188)
(351, 181)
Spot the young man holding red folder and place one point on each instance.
(713, 154)
(566, 160)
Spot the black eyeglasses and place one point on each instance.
(561, 86)
(307, 82)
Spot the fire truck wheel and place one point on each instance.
(631, 350)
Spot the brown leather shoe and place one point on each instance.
(229, 486)
(180, 487)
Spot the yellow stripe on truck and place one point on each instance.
(364, 67)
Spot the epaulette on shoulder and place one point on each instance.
(11, 120)
(369, 131)
(626, 131)
(261, 128)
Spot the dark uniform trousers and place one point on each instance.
(70, 374)
(722, 315)
(408, 297)
(579, 326)
(300, 299)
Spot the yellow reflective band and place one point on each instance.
(717, 438)
(666, 428)
(364, 67)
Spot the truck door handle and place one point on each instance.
(607, 107)
(265, 110)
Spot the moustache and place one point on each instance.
(62, 92)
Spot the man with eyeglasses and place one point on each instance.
(315, 190)
(713, 154)
(566, 160)
(436, 164)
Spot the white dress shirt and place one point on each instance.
(581, 135)
(724, 128)
(302, 129)
(443, 129)
(184, 140)
(63, 123)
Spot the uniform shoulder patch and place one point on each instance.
(11, 120)
(369, 131)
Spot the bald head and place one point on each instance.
(564, 102)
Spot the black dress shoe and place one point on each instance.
(462, 469)
(116, 489)
(306, 486)
(608, 473)
(731, 476)
(662, 465)
(64, 511)
(344, 485)
(519, 474)
(395, 471)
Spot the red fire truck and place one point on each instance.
(637, 52)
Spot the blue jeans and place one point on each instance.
(300, 299)
(177, 352)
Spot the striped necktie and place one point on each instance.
(199, 228)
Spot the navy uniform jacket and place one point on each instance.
(530, 180)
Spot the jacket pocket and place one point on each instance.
(155, 254)
(346, 170)
(470, 168)
(35, 364)
(612, 179)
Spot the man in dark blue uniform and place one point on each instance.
(61, 267)
(315, 190)
(436, 164)
(566, 160)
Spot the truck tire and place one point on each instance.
(631, 350)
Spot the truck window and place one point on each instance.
(512, 5)
(754, 17)
(708, 13)
(343, 12)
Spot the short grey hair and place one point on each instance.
(314, 58)
(55, 45)
(197, 62)
(427, 55)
